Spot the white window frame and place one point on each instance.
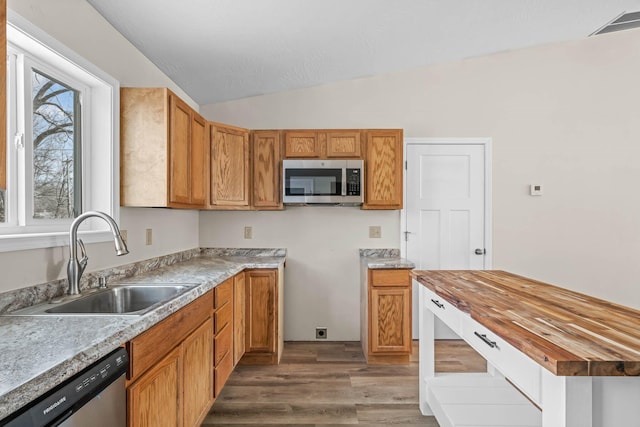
(100, 153)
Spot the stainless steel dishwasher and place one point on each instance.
(95, 397)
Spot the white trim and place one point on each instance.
(488, 220)
(101, 188)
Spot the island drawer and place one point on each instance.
(445, 311)
(521, 371)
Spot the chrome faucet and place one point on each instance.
(76, 267)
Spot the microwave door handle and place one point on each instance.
(344, 181)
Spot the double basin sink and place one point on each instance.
(124, 299)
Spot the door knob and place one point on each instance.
(480, 251)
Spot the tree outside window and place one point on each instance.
(56, 148)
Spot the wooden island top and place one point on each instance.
(568, 333)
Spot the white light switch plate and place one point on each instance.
(375, 232)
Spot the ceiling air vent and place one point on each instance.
(625, 21)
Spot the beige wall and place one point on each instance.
(322, 271)
(565, 115)
(81, 28)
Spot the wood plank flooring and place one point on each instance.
(328, 384)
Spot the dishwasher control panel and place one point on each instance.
(59, 403)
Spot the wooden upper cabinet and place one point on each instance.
(383, 169)
(266, 181)
(343, 144)
(179, 151)
(301, 144)
(229, 155)
(162, 155)
(199, 160)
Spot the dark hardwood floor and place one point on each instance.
(328, 383)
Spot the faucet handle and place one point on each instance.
(84, 259)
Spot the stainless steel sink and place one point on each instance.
(121, 299)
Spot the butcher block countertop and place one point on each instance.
(568, 333)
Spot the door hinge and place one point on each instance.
(406, 235)
(405, 165)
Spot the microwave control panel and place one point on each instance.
(354, 178)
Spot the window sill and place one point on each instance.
(19, 242)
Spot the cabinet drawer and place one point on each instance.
(389, 277)
(444, 310)
(222, 343)
(222, 372)
(223, 293)
(148, 348)
(523, 372)
(222, 317)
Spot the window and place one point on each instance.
(62, 142)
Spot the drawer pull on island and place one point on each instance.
(437, 303)
(486, 340)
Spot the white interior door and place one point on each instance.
(446, 191)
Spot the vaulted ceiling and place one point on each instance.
(218, 50)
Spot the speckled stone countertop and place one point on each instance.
(39, 352)
(384, 259)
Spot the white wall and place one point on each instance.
(322, 271)
(81, 28)
(564, 115)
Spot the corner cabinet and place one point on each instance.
(230, 173)
(386, 333)
(384, 165)
(162, 150)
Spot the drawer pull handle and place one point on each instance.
(486, 340)
(437, 303)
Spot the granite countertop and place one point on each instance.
(384, 259)
(40, 352)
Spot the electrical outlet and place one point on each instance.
(375, 232)
(149, 237)
(321, 333)
(248, 232)
(123, 234)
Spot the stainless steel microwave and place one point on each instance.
(323, 181)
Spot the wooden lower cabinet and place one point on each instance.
(154, 400)
(223, 334)
(263, 316)
(387, 338)
(197, 374)
(171, 369)
(239, 303)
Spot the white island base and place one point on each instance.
(515, 391)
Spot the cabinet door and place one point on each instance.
(261, 311)
(197, 374)
(179, 151)
(239, 302)
(199, 175)
(266, 170)
(383, 166)
(229, 166)
(154, 400)
(343, 144)
(390, 319)
(301, 144)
